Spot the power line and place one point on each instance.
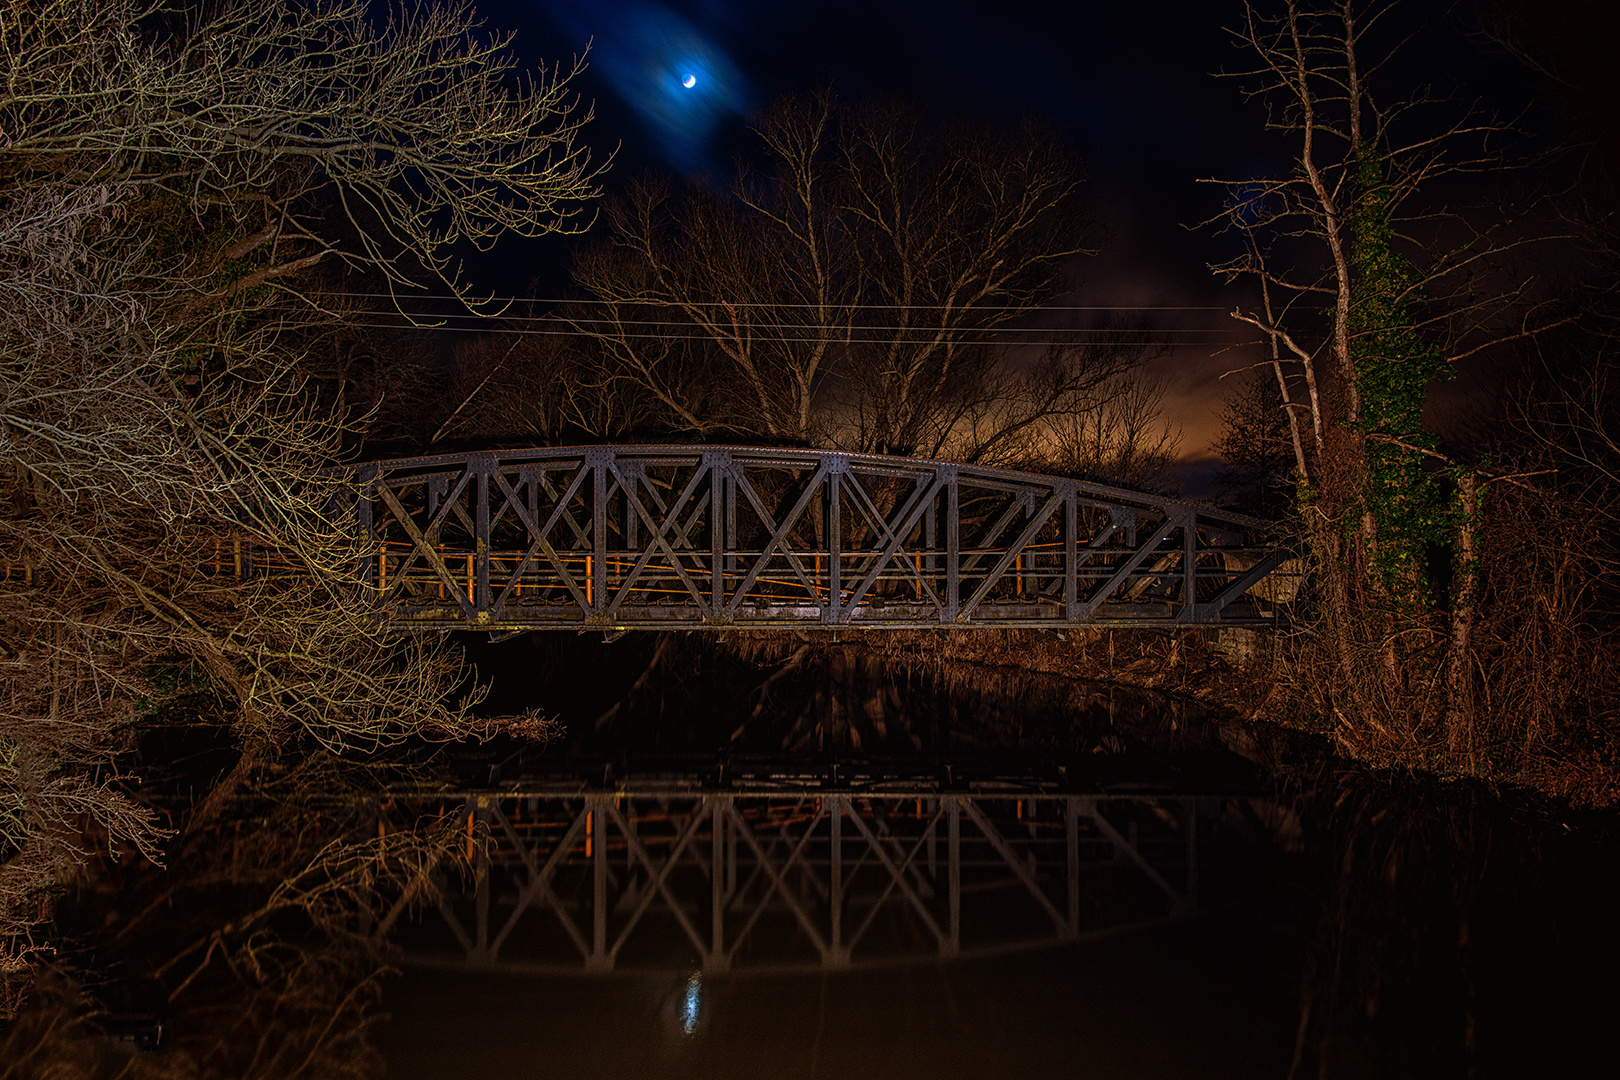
(808, 327)
(763, 339)
(763, 304)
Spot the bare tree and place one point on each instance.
(264, 940)
(1392, 251)
(1122, 439)
(1255, 444)
(411, 132)
(851, 291)
(174, 185)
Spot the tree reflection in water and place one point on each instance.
(249, 956)
(1455, 932)
(1429, 928)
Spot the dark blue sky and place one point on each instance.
(1130, 82)
(1122, 78)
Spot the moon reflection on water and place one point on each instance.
(692, 1004)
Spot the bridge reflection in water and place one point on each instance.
(799, 870)
(622, 537)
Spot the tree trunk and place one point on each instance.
(1459, 674)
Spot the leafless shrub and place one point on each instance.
(176, 181)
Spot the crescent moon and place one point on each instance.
(689, 82)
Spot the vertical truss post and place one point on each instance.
(837, 955)
(953, 872)
(599, 959)
(1071, 838)
(953, 548)
(932, 861)
(722, 525)
(532, 478)
(717, 540)
(632, 520)
(1189, 565)
(836, 464)
(483, 465)
(1071, 554)
(930, 536)
(481, 872)
(731, 863)
(598, 461)
(629, 848)
(731, 519)
(717, 960)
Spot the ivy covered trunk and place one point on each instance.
(1364, 308)
(1401, 516)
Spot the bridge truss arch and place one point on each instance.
(691, 537)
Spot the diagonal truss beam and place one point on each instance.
(539, 884)
(777, 885)
(659, 874)
(897, 877)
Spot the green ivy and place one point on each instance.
(1412, 506)
(178, 690)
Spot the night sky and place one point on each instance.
(1132, 85)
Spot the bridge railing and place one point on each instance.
(659, 536)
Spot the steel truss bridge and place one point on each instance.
(797, 870)
(672, 537)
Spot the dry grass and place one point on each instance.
(1175, 692)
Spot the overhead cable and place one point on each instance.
(508, 300)
(763, 339)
